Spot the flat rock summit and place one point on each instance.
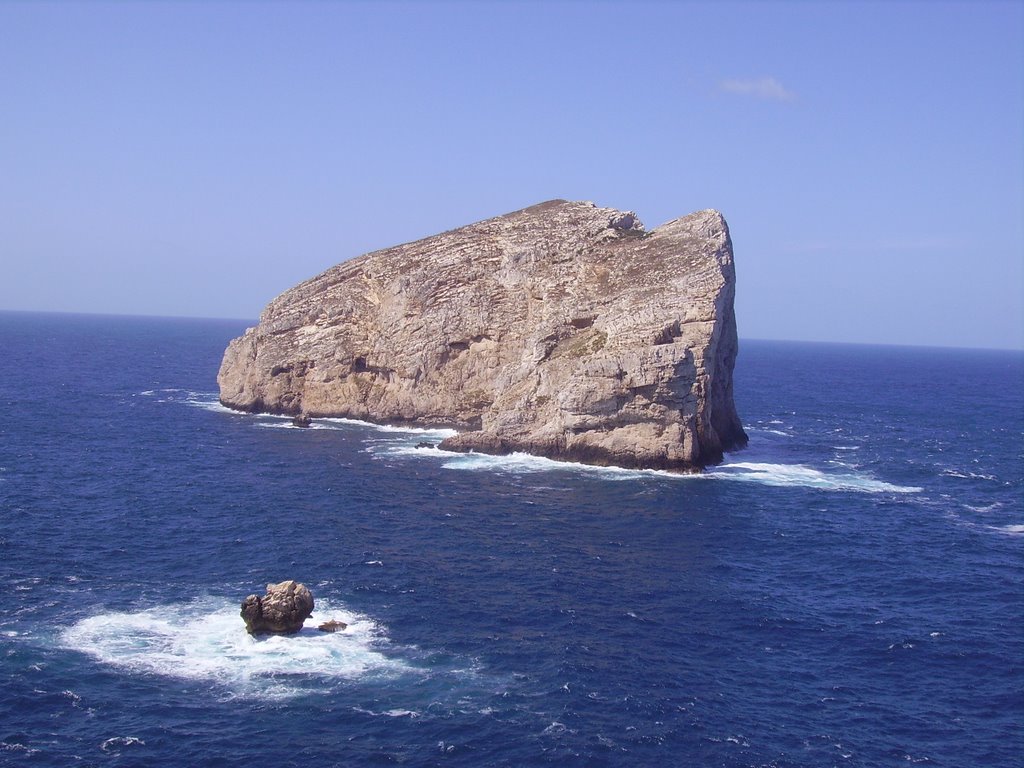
(564, 330)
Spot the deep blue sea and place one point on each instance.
(848, 591)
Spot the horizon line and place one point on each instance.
(255, 321)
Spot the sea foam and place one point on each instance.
(401, 441)
(438, 432)
(780, 475)
(788, 475)
(525, 463)
(206, 641)
(1011, 530)
(210, 402)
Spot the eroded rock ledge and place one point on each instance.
(564, 330)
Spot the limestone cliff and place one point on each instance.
(563, 329)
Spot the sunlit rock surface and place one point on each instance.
(564, 330)
(281, 611)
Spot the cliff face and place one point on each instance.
(562, 329)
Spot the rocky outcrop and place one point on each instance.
(281, 611)
(333, 626)
(563, 329)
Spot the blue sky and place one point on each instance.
(198, 159)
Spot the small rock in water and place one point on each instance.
(281, 611)
(424, 444)
(332, 626)
(302, 420)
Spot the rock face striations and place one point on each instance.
(563, 330)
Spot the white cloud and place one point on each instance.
(764, 88)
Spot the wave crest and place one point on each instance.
(787, 475)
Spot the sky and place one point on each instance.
(197, 159)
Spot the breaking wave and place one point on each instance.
(1009, 530)
(788, 475)
(780, 475)
(403, 440)
(206, 641)
(210, 402)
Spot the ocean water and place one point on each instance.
(845, 592)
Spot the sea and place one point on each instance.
(846, 591)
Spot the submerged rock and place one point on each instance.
(332, 626)
(564, 330)
(282, 610)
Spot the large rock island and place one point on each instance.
(563, 330)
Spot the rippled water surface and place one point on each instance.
(846, 591)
